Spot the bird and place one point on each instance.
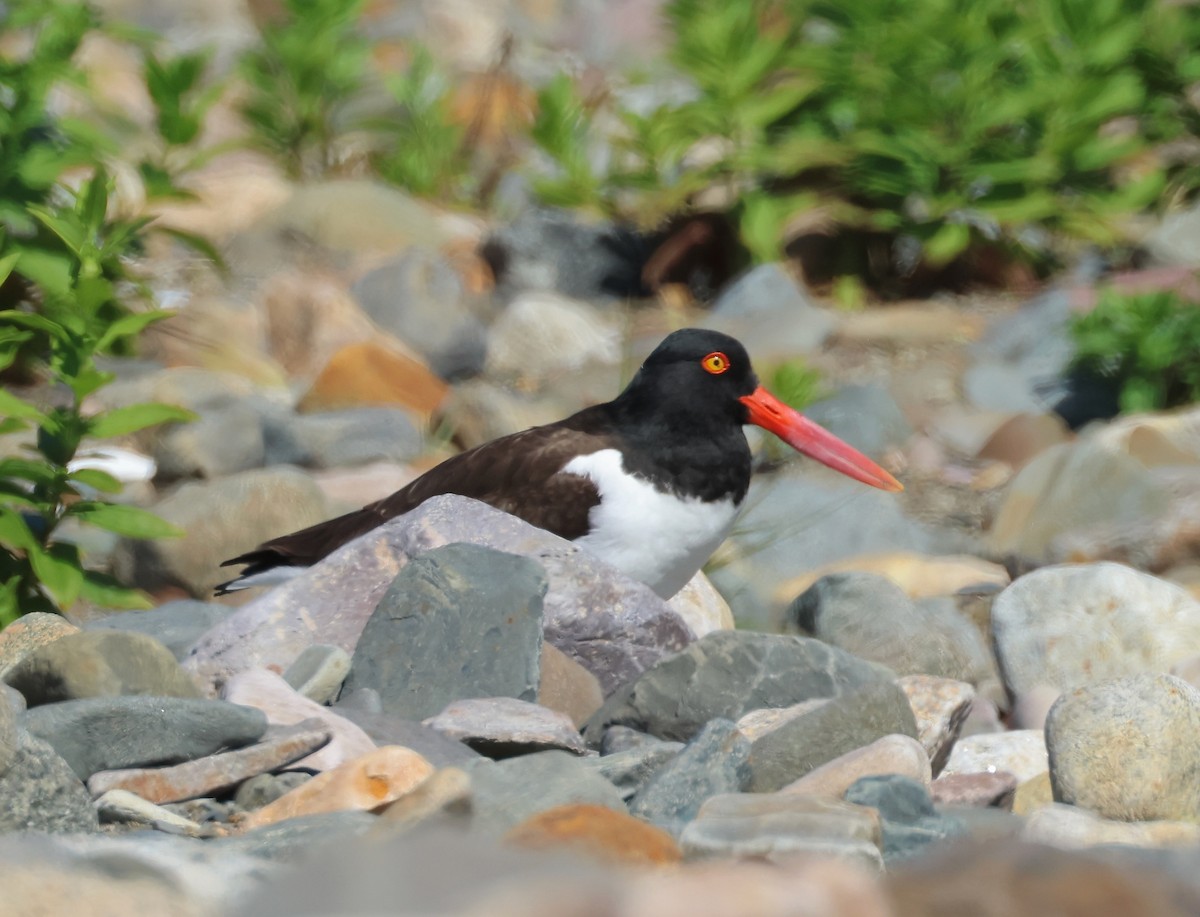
(650, 482)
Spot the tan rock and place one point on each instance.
(1021, 752)
(940, 707)
(506, 723)
(910, 323)
(894, 754)
(920, 576)
(1033, 794)
(758, 723)
(995, 790)
(597, 832)
(28, 633)
(34, 889)
(1022, 437)
(1069, 827)
(370, 373)
(364, 784)
(234, 192)
(702, 607)
(568, 687)
(445, 792)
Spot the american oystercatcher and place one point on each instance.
(650, 482)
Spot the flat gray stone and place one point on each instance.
(176, 625)
(386, 729)
(501, 727)
(266, 788)
(337, 439)
(223, 440)
(42, 793)
(631, 769)
(910, 822)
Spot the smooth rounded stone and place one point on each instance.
(375, 373)
(713, 762)
(566, 686)
(871, 617)
(1128, 748)
(125, 807)
(1030, 709)
(42, 793)
(480, 410)
(223, 440)
(702, 607)
(100, 664)
(282, 706)
(996, 790)
(1021, 752)
(897, 754)
(505, 793)
(293, 840)
(1070, 827)
(940, 707)
(221, 518)
(773, 315)
(596, 832)
(107, 733)
(615, 627)
(542, 335)
(865, 416)
(337, 439)
(266, 788)
(727, 674)
(845, 723)
(459, 621)
(366, 784)
(501, 727)
(445, 796)
(176, 625)
(211, 775)
(775, 826)
(1033, 794)
(1072, 625)
(420, 298)
(318, 672)
(385, 729)
(910, 822)
(27, 633)
(631, 769)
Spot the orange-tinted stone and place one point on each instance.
(598, 832)
(370, 374)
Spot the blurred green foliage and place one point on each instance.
(1147, 343)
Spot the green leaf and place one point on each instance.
(12, 406)
(34, 321)
(129, 521)
(134, 417)
(59, 571)
(197, 243)
(101, 589)
(14, 532)
(7, 263)
(950, 241)
(96, 479)
(10, 605)
(128, 325)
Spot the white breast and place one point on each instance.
(651, 536)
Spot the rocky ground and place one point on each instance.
(893, 726)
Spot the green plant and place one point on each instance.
(309, 67)
(563, 131)
(1148, 344)
(182, 97)
(796, 383)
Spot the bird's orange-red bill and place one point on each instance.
(815, 441)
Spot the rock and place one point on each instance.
(1021, 752)
(374, 374)
(479, 410)
(541, 336)
(384, 729)
(598, 833)
(872, 618)
(726, 674)
(221, 519)
(106, 733)
(777, 826)
(42, 793)
(27, 633)
(631, 769)
(124, 807)
(919, 575)
(10, 731)
(713, 762)
(992, 385)
(211, 775)
(1016, 441)
(994, 790)
(617, 739)
(282, 706)
(846, 722)
(758, 723)
(459, 621)
(224, 440)
(1137, 623)
(318, 672)
(176, 625)
(894, 754)
(568, 687)
(354, 487)
(420, 298)
(1128, 748)
(266, 788)
(1071, 828)
(702, 607)
(335, 439)
(445, 796)
(1032, 794)
(768, 311)
(1173, 240)
(188, 387)
(1030, 709)
(613, 626)
(910, 822)
(865, 416)
(506, 793)
(501, 727)
(364, 784)
(293, 839)
(100, 664)
(940, 707)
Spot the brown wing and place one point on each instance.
(517, 474)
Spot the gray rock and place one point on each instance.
(296, 840)
(629, 770)
(1176, 239)
(870, 616)
(176, 625)
(1073, 625)
(508, 792)
(910, 822)
(622, 738)
(460, 621)
(334, 439)
(940, 707)
(865, 416)
(318, 672)
(420, 298)
(612, 625)
(995, 386)
(1128, 748)
(385, 729)
(105, 733)
(769, 312)
(501, 727)
(266, 788)
(1021, 752)
(100, 664)
(224, 440)
(846, 722)
(10, 736)
(42, 793)
(714, 762)
(726, 674)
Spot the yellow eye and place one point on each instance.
(715, 363)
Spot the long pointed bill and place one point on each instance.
(815, 441)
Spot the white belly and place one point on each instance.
(657, 538)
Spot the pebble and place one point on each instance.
(501, 727)
(266, 788)
(1032, 794)
(1021, 752)
(702, 607)
(41, 792)
(1070, 827)
(176, 625)
(910, 822)
(940, 707)
(598, 833)
(27, 633)
(566, 686)
(1128, 748)
(223, 440)
(318, 672)
(124, 807)
(631, 769)
(995, 790)
(893, 754)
